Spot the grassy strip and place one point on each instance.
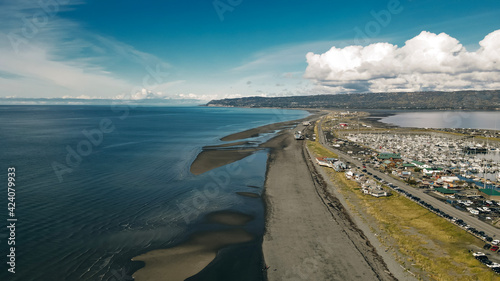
(316, 130)
(319, 150)
(427, 241)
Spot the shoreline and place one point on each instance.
(326, 235)
(214, 156)
(309, 231)
(200, 250)
(374, 118)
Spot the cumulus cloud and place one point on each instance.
(426, 62)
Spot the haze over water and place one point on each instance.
(123, 199)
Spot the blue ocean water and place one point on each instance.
(98, 185)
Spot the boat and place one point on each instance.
(475, 150)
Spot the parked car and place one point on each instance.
(487, 262)
(493, 265)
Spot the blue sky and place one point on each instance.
(229, 48)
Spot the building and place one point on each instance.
(389, 160)
(405, 174)
(408, 166)
(375, 191)
(450, 179)
(490, 194)
(372, 188)
(378, 193)
(339, 166)
(445, 192)
(432, 171)
(322, 161)
(420, 164)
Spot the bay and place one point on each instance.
(87, 202)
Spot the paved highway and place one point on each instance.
(450, 210)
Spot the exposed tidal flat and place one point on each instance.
(134, 193)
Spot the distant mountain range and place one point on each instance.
(466, 100)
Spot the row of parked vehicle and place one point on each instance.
(480, 207)
(480, 234)
(479, 256)
(486, 261)
(459, 222)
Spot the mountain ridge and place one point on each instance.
(433, 100)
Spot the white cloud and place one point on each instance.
(44, 55)
(36, 75)
(426, 62)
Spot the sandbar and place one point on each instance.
(210, 159)
(187, 259)
(229, 218)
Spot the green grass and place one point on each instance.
(319, 150)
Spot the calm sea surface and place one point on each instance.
(446, 119)
(87, 203)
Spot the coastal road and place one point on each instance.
(450, 210)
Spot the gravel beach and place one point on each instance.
(309, 236)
